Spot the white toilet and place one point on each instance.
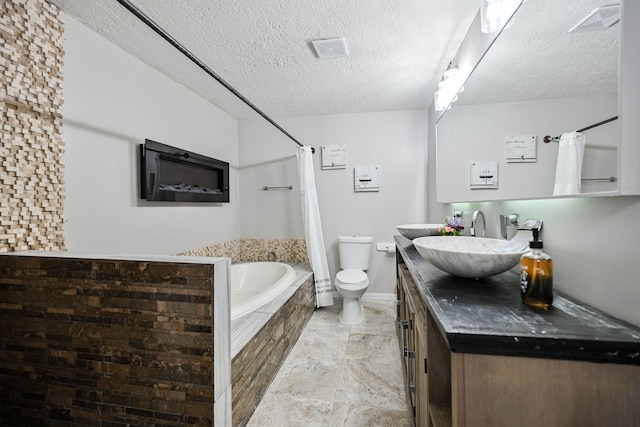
(352, 282)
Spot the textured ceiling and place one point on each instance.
(536, 57)
(397, 49)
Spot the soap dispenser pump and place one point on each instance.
(536, 275)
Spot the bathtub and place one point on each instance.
(256, 283)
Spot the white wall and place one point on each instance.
(469, 133)
(268, 158)
(394, 141)
(593, 241)
(112, 103)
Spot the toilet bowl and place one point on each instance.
(351, 284)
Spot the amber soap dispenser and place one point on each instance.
(536, 275)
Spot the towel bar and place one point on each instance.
(610, 179)
(267, 188)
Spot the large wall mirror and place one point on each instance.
(536, 79)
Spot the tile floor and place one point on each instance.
(340, 375)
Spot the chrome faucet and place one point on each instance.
(531, 224)
(272, 257)
(478, 224)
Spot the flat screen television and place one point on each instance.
(170, 174)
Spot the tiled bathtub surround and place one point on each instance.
(114, 341)
(261, 340)
(31, 147)
(246, 327)
(285, 250)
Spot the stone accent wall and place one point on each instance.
(257, 364)
(229, 250)
(290, 250)
(105, 342)
(31, 147)
(286, 250)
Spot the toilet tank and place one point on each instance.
(354, 252)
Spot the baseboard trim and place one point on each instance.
(369, 296)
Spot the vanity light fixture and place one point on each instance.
(448, 88)
(494, 14)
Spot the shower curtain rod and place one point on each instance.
(173, 42)
(548, 139)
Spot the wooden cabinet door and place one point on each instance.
(502, 391)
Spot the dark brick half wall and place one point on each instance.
(117, 342)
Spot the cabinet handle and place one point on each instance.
(425, 366)
(408, 353)
(403, 334)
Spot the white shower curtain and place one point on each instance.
(569, 166)
(313, 228)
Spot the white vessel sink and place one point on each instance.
(466, 256)
(413, 231)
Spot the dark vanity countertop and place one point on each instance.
(486, 316)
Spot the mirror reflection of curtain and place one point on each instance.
(569, 165)
(313, 228)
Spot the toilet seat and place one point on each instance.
(352, 279)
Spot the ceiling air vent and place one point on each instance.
(599, 19)
(330, 48)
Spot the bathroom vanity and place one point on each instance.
(474, 355)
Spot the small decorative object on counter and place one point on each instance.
(536, 275)
(452, 227)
